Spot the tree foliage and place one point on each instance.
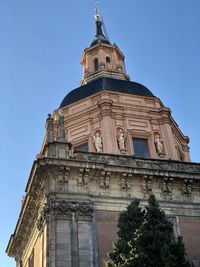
(146, 239)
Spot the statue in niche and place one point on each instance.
(61, 128)
(50, 129)
(98, 142)
(121, 139)
(159, 145)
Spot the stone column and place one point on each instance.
(70, 235)
(168, 139)
(63, 242)
(108, 134)
(85, 244)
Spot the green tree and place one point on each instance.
(129, 221)
(151, 243)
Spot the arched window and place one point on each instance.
(96, 64)
(107, 62)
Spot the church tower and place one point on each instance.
(111, 140)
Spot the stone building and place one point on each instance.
(110, 141)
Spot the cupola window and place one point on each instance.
(96, 64)
(140, 147)
(107, 62)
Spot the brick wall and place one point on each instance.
(106, 223)
(190, 231)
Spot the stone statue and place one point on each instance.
(61, 128)
(121, 139)
(49, 129)
(98, 142)
(159, 144)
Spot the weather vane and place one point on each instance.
(97, 7)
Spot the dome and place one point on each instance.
(108, 84)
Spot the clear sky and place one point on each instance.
(40, 50)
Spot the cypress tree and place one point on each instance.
(150, 243)
(128, 222)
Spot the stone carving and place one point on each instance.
(101, 179)
(83, 177)
(121, 139)
(146, 186)
(107, 182)
(49, 129)
(61, 128)
(104, 180)
(65, 207)
(80, 177)
(98, 142)
(187, 189)
(167, 188)
(162, 168)
(159, 145)
(63, 177)
(125, 182)
(86, 177)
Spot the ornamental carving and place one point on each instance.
(167, 188)
(65, 208)
(125, 182)
(104, 180)
(187, 189)
(146, 186)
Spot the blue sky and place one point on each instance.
(40, 50)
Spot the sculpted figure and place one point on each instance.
(159, 144)
(61, 128)
(121, 139)
(49, 129)
(98, 142)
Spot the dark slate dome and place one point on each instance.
(107, 84)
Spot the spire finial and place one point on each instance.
(97, 7)
(101, 34)
(97, 14)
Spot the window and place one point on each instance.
(96, 64)
(140, 147)
(83, 147)
(107, 62)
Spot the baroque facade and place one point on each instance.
(111, 140)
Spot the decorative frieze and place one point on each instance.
(63, 207)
